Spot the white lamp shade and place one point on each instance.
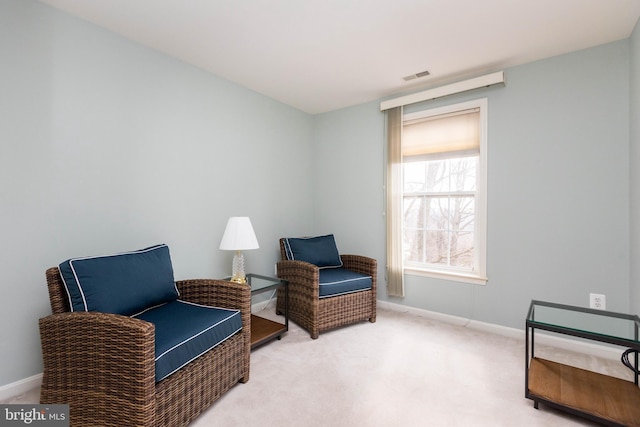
(239, 235)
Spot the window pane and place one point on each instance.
(437, 213)
(462, 213)
(413, 212)
(462, 250)
(414, 177)
(439, 230)
(437, 179)
(438, 247)
(414, 222)
(414, 246)
(463, 173)
(440, 176)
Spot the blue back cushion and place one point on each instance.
(124, 283)
(320, 251)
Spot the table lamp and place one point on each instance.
(238, 236)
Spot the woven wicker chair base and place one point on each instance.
(181, 399)
(332, 312)
(103, 366)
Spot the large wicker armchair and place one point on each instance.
(103, 366)
(318, 300)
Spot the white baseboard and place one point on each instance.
(19, 387)
(590, 348)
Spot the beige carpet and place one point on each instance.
(403, 370)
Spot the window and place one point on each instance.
(444, 192)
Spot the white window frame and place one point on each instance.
(479, 276)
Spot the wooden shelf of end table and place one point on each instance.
(264, 330)
(611, 400)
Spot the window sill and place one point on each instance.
(447, 275)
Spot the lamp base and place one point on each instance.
(241, 280)
(238, 275)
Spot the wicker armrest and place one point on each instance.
(108, 356)
(219, 293)
(299, 273)
(363, 265)
(215, 293)
(224, 294)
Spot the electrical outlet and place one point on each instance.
(598, 301)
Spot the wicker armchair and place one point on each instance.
(316, 314)
(102, 365)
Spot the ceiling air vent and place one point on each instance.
(416, 76)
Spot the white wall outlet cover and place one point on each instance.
(598, 301)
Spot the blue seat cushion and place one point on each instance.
(186, 330)
(339, 281)
(123, 283)
(320, 251)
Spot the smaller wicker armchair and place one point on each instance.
(102, 364)
(318, 300)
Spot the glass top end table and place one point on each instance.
(601, 398)
(264, 330)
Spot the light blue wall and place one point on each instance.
(108, 146)
(348, 198)
(635, 169)
(558, 188)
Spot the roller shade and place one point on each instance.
(454, 134)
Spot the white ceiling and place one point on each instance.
(322, 55)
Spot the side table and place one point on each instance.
(598, 397)
(264, 330)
